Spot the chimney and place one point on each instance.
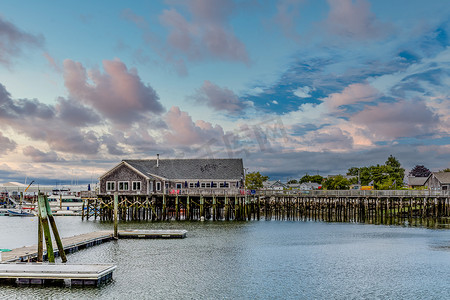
(157, 160)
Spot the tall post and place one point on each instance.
(201, 207)
(40, 254)
(62, 254)
(46, 229)
(188, 212)
(116, 204)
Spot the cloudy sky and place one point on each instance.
(291, 86)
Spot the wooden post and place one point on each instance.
(40, 253)
(188, 212)
(177, 211)
(62, 254)
(214, 208)
(116, 204)
(46, 228)
(201, 207)
(60, 201)
(164, 208)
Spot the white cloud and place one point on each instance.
(303, 92)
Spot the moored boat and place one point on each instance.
(20, 213)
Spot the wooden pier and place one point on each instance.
(60, 274)
(378, 207)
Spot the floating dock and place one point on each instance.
(152, 234)
(77, 242)
(62, 274)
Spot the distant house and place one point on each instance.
(152, 176)
(274, 185)
(307, 186)
(438, 181)
(416, 182)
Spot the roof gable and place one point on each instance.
(443, 177)
(171, 169)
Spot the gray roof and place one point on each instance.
(417, 181)
(443, 177)
(221, 169)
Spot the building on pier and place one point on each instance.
(438, 181)
(157, 176)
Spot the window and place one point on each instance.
(208, 184)
(203, 185)
(223, 184)
(191, 185)
(123, 186)
(110, 185)
(136, 185)
(158, 186)
(178, 186)
(214, 185)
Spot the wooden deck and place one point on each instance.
(66, 274)
(74, 243)
(152, 234)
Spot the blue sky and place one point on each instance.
(291, 86)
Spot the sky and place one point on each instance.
(293, 87)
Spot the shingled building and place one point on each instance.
(156, 176)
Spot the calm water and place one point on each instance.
(254, 260)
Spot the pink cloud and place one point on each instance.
(221, 99)
(354, 20)
(397, 120)
(13, 40)
(352, 94)
(6, 144)
(207, 35)
(183, 131)
(118, 94)
(40, 156)
(288, 12)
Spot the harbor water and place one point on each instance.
(252, 260)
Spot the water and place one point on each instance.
(254, 260)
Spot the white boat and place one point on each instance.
(20, 212)
(70, 203)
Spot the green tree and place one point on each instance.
(254, 180)
(337, 183)
(315, 178)
(446, 170)
(292, 181)
(387, 176)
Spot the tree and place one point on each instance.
(337, 183)
(292, 181)
(419, 171)
(254, 180)
(446, 170)
(387, 176)
(315, 178)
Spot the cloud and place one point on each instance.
(354, 20)
(6, 144)
(52, 63)
(118, 94)
(220, 99)
(183, 131)
(76, 114)
(352, 94)
(13, 40)
(286, 17)
(208, 35)
(37, 155)
(303, 92)
(397, 120)
(42, 122)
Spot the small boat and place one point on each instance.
(20, 213)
